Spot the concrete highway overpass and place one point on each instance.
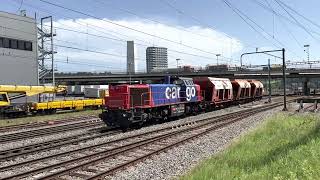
(73, 79)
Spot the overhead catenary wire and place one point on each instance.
(299, 14)
(281, 16)
(244, 17)
(284, 25)
(245, 20)
(152, 20)
(172, 50)
(126, 27)
(301, 25)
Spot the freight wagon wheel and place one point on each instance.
(165, 119)
(53, 111)
(138, 125)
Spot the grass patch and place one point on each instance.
(52, 117)
(285, 147)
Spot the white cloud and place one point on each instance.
(195, 36)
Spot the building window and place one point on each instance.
(28, 46)
(15, 44)
(21, 45)
(6, 43)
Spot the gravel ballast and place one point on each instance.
(175, 161)
(181, 159)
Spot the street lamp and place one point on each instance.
(269, 81)
(218, 58)
(307, 46)
(178, 59)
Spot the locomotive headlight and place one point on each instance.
(124, 115)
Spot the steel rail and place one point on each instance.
(234, 115)
(47, 131)
(43, 123)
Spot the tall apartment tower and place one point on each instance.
(130, 57)
(157, 58)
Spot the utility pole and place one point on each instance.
(218, 58)
(52, 55)
(284, 81)
(307, 51)
(283, 69)
(269, 81)
(46, 52)
(178, 59)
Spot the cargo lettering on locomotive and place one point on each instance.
(174, 92)
(190, 93)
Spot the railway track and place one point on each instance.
(56, 143)
(52, 144)
(42, 124)
(103, 159)
(49, 130)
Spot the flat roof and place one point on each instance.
(17, 15)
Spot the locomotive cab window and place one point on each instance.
(178, 82)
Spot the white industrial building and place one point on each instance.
(18, 50)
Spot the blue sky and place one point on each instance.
(212, 14)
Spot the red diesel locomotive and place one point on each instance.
(133, 105)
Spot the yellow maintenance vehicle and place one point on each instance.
(11, 92)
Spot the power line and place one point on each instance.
(87, 50)
(245, 20)
(123, 26)
(106, 37)
(304, 17)
(302, 26)
(85, 64)
(241, 14)
(281, 16)
(201, 22)
(181, 52)
(152, 20)
(284, 25)
(94, 27)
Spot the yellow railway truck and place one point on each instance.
(11, 110)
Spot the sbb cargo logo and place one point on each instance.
(174, 93)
